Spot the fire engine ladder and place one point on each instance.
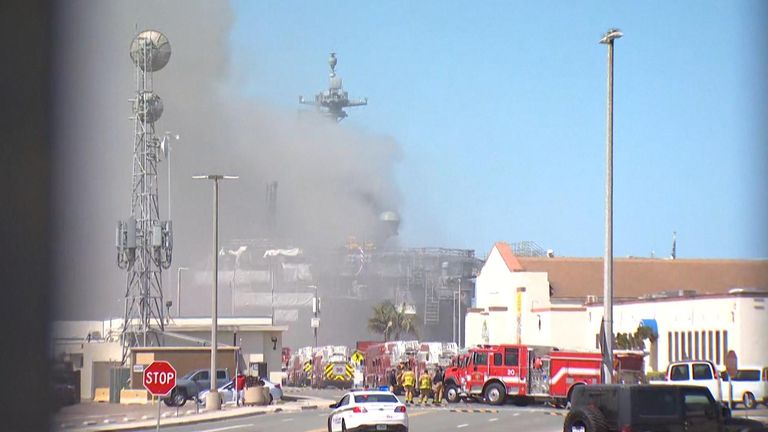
(431, 304)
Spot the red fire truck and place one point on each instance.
(299, 369)
(496, 372)
(381, 359)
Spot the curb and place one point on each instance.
(183, 421)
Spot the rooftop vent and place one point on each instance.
(674, 293)
(747, 291)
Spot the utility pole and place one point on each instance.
(212, 402)
(316, 312)
(178, 290)
(608, 39)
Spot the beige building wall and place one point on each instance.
(93, 355)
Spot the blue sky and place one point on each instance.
(499, 109)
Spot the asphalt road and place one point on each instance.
(421, 419)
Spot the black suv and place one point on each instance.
(650, 408)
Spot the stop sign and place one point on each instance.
(731, 363)
(159, 378)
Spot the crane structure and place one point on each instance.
(332, 102)
(144, 242)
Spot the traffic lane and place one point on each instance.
(442, 420)
(283, 422)
(421, 420)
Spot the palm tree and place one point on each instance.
(389, 320)
(383, 319)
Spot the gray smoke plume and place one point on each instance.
(333, 181)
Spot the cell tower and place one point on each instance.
(144, 242)
(335, 99)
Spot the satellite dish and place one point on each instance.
(150, 50)
(149, 107)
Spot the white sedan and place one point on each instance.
(227, 396)
(368, 411)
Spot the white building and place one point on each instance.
(93, 347)
(699, 308)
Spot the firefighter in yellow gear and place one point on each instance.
(425, 386)
(409, 381)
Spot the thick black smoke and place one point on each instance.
(333, 181)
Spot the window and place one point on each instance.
(747, 375)
(717, 347)
(221, 375)
(710, 357)
(511, 357)
(696, 351)
(202, 376)
(702, 371)
(497, 359)
(481, 359)
(344, 400)
(679, 373)
(376, 398)
(689, 347)
(677, 346)
(697, 400)
(654, 402)
(725, 343)
(669, 347)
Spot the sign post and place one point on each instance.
(731, 366)
(159, 380)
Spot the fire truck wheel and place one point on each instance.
(587, 419)
(495, 394)
(452, 393)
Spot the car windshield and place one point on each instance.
(188, 375)
(376, 398)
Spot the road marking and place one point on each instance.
(317, 430)
(493, 419)
(515, 414)
(288, 419)
(227, 428)
(462, 426)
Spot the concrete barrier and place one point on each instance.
(128, 397)
(101, 394)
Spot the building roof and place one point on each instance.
(635, 277)
(508, 256)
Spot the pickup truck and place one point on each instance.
(189, 385)
(698, 373)
(750, 386)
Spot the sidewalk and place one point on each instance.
(92, 417)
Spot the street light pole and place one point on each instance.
(212, 402)
(178, 290)
(608, 39)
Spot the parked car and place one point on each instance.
(227, 395)
(368, 410)
(750, 386)
(191, 384)
(650, 408)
